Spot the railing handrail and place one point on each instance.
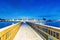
(10, 32)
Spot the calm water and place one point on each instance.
(56, 24)
(5, 24)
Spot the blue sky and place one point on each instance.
(49, 9)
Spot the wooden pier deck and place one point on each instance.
(27, 33)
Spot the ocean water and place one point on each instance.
(55, 24)
(5, 24)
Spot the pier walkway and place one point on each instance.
(27, 33)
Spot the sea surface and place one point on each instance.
(5, 24)
(55, 24)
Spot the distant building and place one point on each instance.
(44, 19)
(2, 20)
